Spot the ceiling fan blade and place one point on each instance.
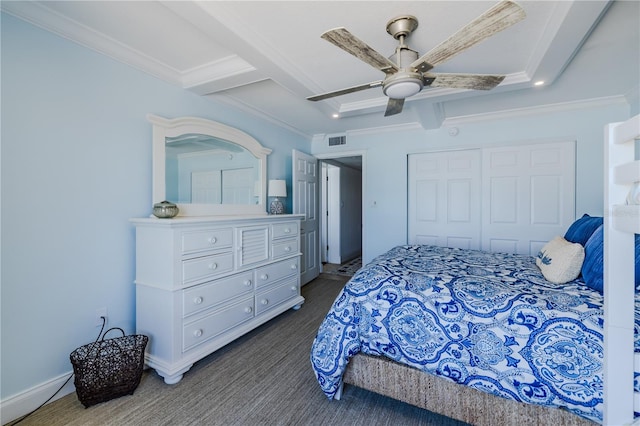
(465, 81)
(499, 17)
(358, 48)
(394, 106)
(345, 91)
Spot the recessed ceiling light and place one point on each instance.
(335, 115)
(539, 83)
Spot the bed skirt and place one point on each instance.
(385, 377)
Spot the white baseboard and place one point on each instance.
(18, 405)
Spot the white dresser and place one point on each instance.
(202, 282)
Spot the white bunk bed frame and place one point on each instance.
(621, 222)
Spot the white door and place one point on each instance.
(305, 201)
(528, 194)
(323, 215)
(444, 199)
(334, 253)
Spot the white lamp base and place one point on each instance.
(276, 207)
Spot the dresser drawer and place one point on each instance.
(276, 295)
(284, 230)
(217, 323)
(276, 271)
(204, 296)
(206, 240)
(284, 248)
(206, 267)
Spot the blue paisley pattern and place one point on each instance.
(487, 320)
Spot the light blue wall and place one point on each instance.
(76, 165)
(599, 86)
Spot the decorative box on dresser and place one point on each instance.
(202, 282)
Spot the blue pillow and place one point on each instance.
(582, 229)
(593, 265)
(637, 241)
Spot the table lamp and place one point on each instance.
(277, 188)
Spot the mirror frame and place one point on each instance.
(164, 127)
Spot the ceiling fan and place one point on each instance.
(406, 73)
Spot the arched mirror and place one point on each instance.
(208, 168)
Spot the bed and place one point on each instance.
(487, 338)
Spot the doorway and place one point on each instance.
(341, 224)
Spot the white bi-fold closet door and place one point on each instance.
(444, 198)
(509, 198)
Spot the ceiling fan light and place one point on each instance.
(402, 89)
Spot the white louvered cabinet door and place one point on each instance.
(253, 245)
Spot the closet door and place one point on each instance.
(444, 199)
(528, 195)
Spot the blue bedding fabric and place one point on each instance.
(486, 320)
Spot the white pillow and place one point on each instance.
(560, 261)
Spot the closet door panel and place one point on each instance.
(503, 199)
(529, 195)
(444, 199)
(546, 200)
(427, 189)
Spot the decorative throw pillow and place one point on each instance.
(637, 248)
(560, 261)
(582, 229)
(593, 266)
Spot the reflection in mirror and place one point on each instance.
(208, 168)
(201, 169)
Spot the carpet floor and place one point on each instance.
(263, 378)
(347, 269)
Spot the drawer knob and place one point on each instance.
(247, 283)
(294, 266)
(213, 240)
(294, 288)
(197, 300)
(248, 309)
(213, 266)
(264, 301)
(197, 333)
(264, 277)
(287, 249)
(287, 230)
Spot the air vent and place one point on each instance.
(337, 140)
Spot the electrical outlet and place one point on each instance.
(102, 312)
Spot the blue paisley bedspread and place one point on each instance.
(486, 320)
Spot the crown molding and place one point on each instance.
(229, 66)
(222, 74)
(385, 129)
(228, 100)
(43, 17)
(535, 110)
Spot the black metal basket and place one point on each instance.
(108, 368)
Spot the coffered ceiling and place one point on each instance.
(266, 57)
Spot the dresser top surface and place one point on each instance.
(202, 220)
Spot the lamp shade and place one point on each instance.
(277, 188)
